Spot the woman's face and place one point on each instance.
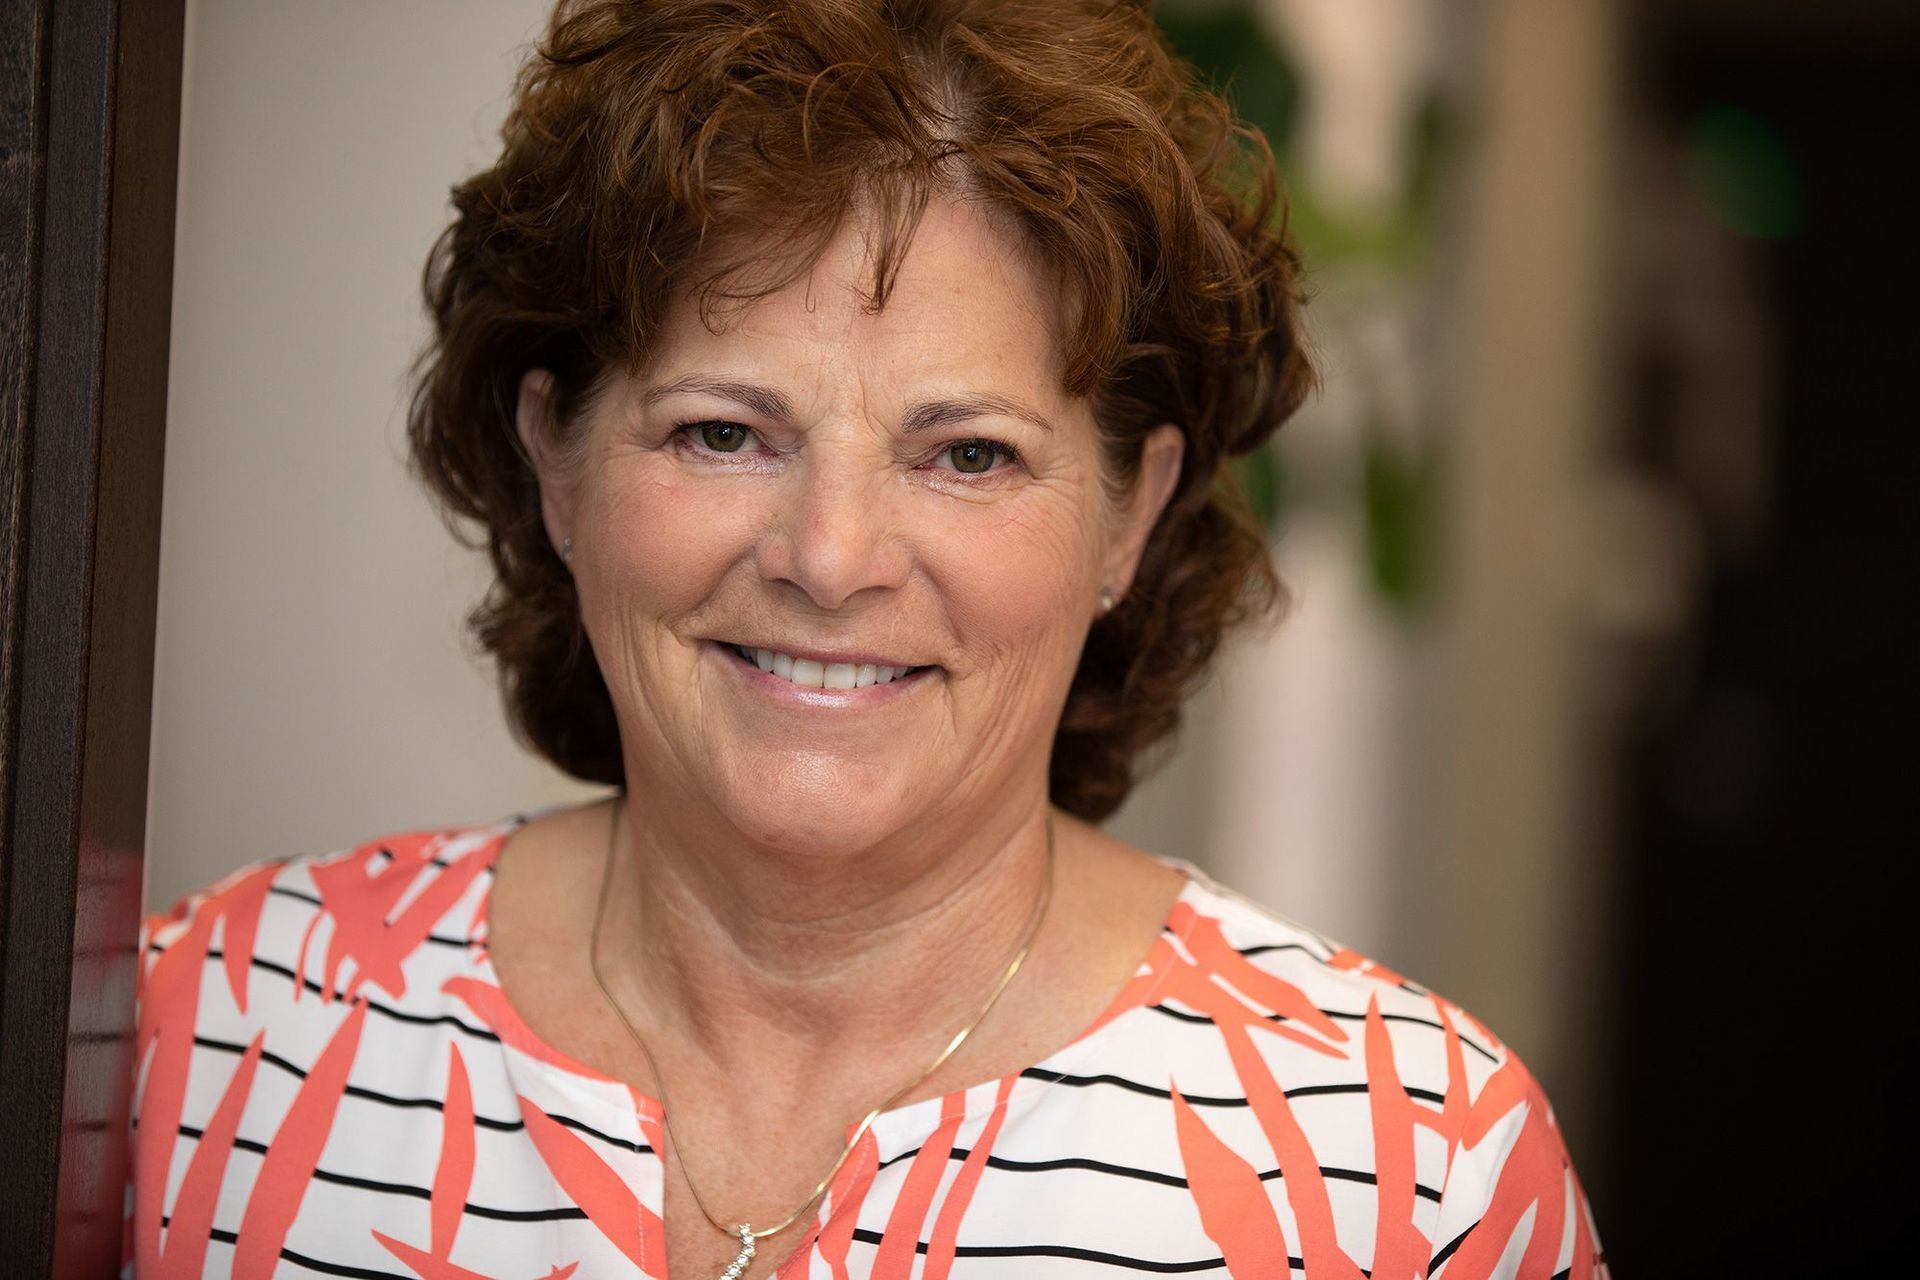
(900, 513)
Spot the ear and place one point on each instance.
(1160, 458)
(536, 422)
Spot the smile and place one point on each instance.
(810, 673)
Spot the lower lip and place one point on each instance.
(767, 683)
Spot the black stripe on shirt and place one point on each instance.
(1145, 1175)
(1449, 1249)
(1342, 1015)
(434, 1104)
(1263, 948)
(1132, 1086)
(560, 1214)
(388, 1011)
(867, 1236)
(1203, 1100)
(300, 895)
(1453, 1245)
(313, 1264)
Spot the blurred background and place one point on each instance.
(1585, 709)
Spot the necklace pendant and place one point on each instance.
(739, 1264)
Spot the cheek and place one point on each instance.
(659, 545)
(1014, 584)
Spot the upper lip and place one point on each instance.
(825, 654)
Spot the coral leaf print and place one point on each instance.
(1220, 985)
(359, 898)
(1400, 1250)
(355, 898)
(900, 1243)
(1306, 1188)
(600, 1191)
(294, 1152)
(169, 1003)
(1234, 1209)
(192, 1219)
(454, 1174)
(240, 906)
(1214, 954)
(429, 1267)
(169, 1010)
(1199, 985)
(489, 1004)
(946, 1228)
(843, 1203)
(1535, 1175)
(452, 1177)
(1452, 1121)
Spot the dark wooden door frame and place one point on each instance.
(89, 142)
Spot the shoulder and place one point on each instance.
(268, 999)
(300, 938)
(403, 877)
(1401, 1092)
(1252, 951)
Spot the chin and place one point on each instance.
(818, 807)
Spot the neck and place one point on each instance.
(740, 950)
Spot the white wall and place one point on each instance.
(313, 686)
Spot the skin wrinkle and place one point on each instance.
(785, 1004)
(924, 416)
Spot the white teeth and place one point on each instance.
(821, 675)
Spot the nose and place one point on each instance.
(837, 530)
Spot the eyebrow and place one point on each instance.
(924, 415)
(764, 401)
(928, 414)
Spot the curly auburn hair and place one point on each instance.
(656, 148)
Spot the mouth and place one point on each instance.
(814, 673)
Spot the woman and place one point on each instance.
(843, 393)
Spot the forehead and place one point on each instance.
(968, 304)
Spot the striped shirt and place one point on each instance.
(331, 1082)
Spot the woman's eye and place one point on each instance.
(723, 437)
(974, 457)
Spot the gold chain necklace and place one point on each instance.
(746, 1234)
